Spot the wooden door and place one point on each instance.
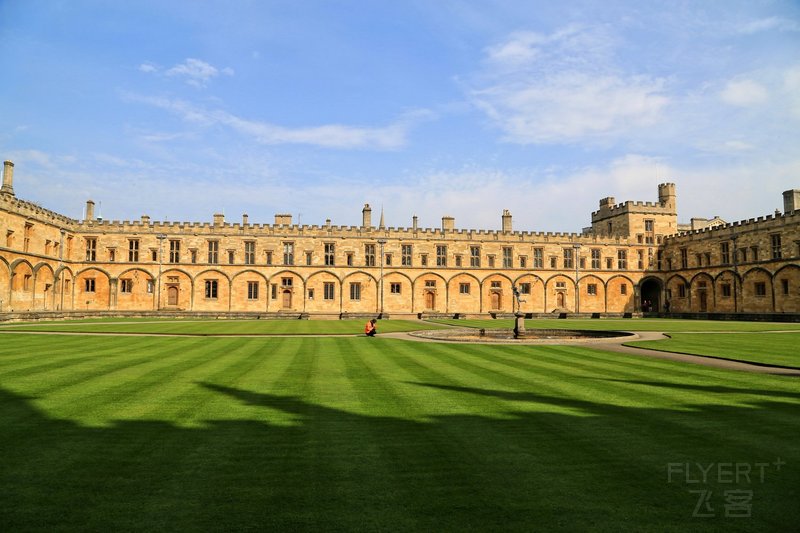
(496, 301)
(172, 295)
(287, 299)
(430, 300)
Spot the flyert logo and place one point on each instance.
(738, 502)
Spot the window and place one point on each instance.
(463, 288)
(761, 288)
(252, 290)
(286, 283)
(596, 258)
(490, 260)
(609, 263)
(174, 251)
(523, 261)
(112, 254)
(726, 290)
(430, 283)
(649, 225)
(193, 254)
(441, 255)
(26, 282)
(91, 249)
(754, 250)
(776, 246)
(681, 290)
(405, 256)
(330, 254)
(26, 242)
(659, 258)
(640, 238)
(495, 285)
(538, 258)
(475, 256)
(423, 259)
(684, 258)
(568, 258)
(507, 260)
(308, 258)
(249, 253)
(591, 289)
(641, 259)
(524, 288)
(150, 286)
(213, 252)
(725, 253)
(622, 259)
(785, 286)
(698, 259)
(231, 257)
(310, 294)
(394, 288)
(623, 289)
(154, 254)
(268, 258)
(458, 260)
(288, 253)
(133, 250)
(211, 288)
(355, 291)
(349, 259)
(553, 262)
(369, 255)
(328, 290)
(561, 284)
(89, 285)
(273, 291)
(126, 285)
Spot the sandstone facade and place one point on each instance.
(633, 257)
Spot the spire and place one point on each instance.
(382, 225)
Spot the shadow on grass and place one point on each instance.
(605, 468)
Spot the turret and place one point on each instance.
(8, 178)
(791, 200)
(666, 196)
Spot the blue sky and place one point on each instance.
(182, 109)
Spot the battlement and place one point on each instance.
(35, 211)
(763, 223)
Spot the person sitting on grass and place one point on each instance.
(369, 329)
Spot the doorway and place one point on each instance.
(287, 299)
(651, 293)
(172, 295)
(430, 300)
(496, 301)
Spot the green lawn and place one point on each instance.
(767, 348)
(627, 324)
(224, 327)
(350, 433)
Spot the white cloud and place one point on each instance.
(196, 72)
(564, 87)
(147, 68)
(744, 93)
(767, 24)
(330, 135)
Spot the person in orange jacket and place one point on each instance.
(369, 329)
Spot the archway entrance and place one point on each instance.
(430, 300)
(651, 293)
(287, 299)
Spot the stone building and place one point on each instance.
(634, 254)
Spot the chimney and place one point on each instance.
(8, 178)
(245, 219)
(283, 220)
(366, 216)
(507, 221)
(145, 220)
(219, 219)
(328, 223)
(414, 222)
(89, 211)
(791, 200)
(448, 223)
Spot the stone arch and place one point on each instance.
(136, 290)
(5, 285)
(43, 286)
(651, 294)
(466, 299)
(64, 293)
(559, 293)
(177, 290)
(398, 302)
(757, 291)
(20, 297)
(702, 295)
(677, 298)
(367, 293)
(592, 296)
(497, 293)
(620, 294)
(726, 290)
(245, 299)
(431, 298)
(211, 291)
(787, 289)
(534, 301)
(92, 289)
(320, 304)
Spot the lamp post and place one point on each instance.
(577, 248)
(160, 238)
(381, 242)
